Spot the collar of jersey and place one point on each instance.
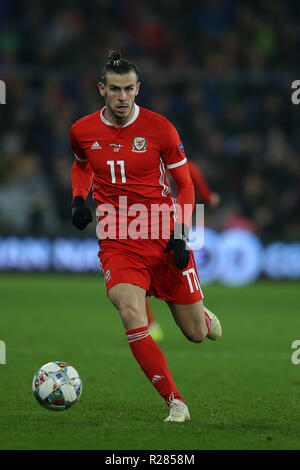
(135, 115)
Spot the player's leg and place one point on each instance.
(196, 324)
(130, 303)
(129, 300)
(196, 321)
(149, 311)
(191, 320)
(185, 300)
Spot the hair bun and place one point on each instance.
(116, 64)
(114, 56)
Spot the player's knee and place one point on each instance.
(130, 316)
(131, 313)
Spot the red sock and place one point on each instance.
(152, 362)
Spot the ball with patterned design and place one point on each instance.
(57, 386)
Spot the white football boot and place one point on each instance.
(215, 331)
(179, 412)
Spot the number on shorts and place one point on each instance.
(192, 279)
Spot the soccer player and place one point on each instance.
(122, 151)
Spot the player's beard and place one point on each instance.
(120, 118)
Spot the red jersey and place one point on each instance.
(127, 165)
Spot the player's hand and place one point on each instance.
(179, 244)
(81, 214)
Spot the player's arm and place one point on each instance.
(81, 178)
(185, 193)
(176, 163)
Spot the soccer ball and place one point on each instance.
(57, 386)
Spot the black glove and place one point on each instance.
(179, 244)
(81, 214)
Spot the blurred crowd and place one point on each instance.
(221, 71)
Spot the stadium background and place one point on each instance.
(221, 71)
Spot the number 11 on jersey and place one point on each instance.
(111, 163)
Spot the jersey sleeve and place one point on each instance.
(185, 194)
(172, 151)
(78, 152)
(81, 173)
(175, 160)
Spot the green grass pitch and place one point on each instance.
(242, 391)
